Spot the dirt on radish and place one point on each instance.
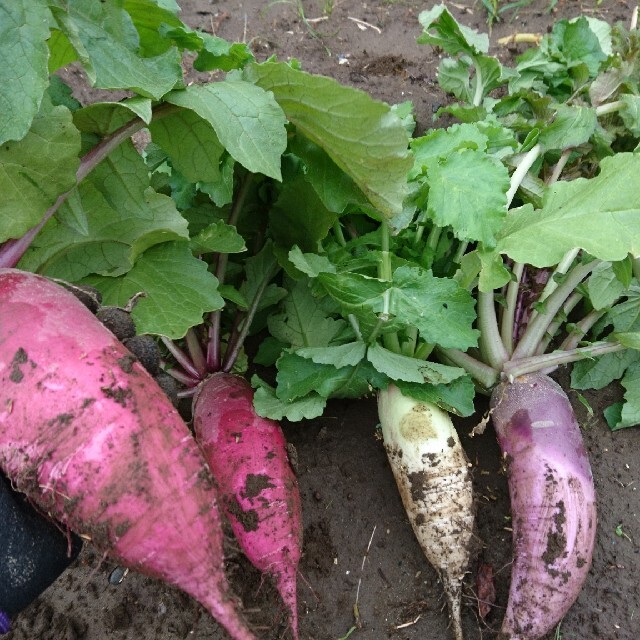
(346, 486)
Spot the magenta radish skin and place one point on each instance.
(257, 487)
(553, 503)
(89, 436)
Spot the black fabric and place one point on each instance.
(33, 550)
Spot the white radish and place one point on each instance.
(433, 476)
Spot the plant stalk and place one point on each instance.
(520, 367)
(537, 327)
(508, 316)
(482, 373)
(11, 251)
(213, 345)
(492, 349)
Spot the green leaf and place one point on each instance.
(218, 237)
(148, 18)
(441, 310)
(456, 397)
(310, 264)
(599, 372)
(37, 169)
(268, 405)
(191, 143)
(630, 113)
(575, 44)
(364, 137)
(630, 415)
(571, 127)
(625, 316)
(247, 120)
(115, 217)
(105, 117)
(339, 356)
(442, 30)
(259, 267)
(441, 143)
(24, 29)
(630, 340)
(334, 187)
(303, 321)
(603, 286)
(298, 217)
(298, 377)
(399, 367)
(178, 290)
(467, 191)
(61, 51)
(107, 43)
(600, 215)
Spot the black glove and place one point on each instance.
(33, 552)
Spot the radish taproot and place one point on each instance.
(88, 435)
(434, 480)
(257, 487)
(552, 501)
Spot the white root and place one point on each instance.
(433, 477)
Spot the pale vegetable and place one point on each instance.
(434, 480)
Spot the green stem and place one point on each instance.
(409, 345)
(581, 329)
(537, 327)
(460, 251)
(482, 373)
(213, 345)
(233, 350)
(337, 230)
(521, 171)
(491, 347)
(508, 316)
(520, 367)
(609, 107)
(355, 325)
(550, 333)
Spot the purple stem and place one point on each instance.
(181, 357)
(183, 378)
(195, 352)
(12, 251)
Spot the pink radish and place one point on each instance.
(552, 501)
(257, 487)
(88, 435)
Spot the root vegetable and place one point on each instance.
(88, 435)
(433, 477)
(257, 487)
(552, 503)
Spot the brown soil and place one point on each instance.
(349, 496)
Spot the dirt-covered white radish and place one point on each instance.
(433, 477)
(92, 440)
(553, 503)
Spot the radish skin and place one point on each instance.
(257, 487)
(89, 436)
(433, 477)
(553, 503)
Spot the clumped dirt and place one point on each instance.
(360, 555)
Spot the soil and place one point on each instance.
(362, 574)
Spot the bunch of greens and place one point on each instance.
(263, 146)
(529, 203)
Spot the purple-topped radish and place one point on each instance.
(89, 436)
(553, 503)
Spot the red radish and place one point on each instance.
(257, 487)
(88, 435)
(552, 501)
